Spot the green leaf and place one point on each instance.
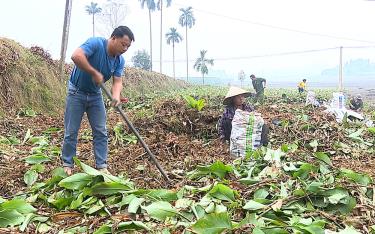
(249, 219)
(30, 177)
(37, 158)
(257, 231)
(93, 172)
(161, 210)
(349, 230)
(14, 140)
(125, 200)
(371, 130)
(76, 182)
(157, 194)
(285, 148)
(62, 202)
(43, 228)
(27, 136)
(213, 224)
(135, 204)
(334, 199)
(261, 193)
(315, 187)
(38, 168)
(253, 205)
(356, 135)
(183, 203)
(222, 192)
(304, 170)
(52, 130)
(109, 188)
(95, 208)
(19, 205)
(314, 144)
(4, 140)
(362, 179)
(323, 157)
(218, 169)
(131, 225)
(77, 202)
(104, 229)
(10, 218)
(40, 141)
(26, 221)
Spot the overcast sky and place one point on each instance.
(232, 31)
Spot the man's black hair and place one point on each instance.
(304, 80)
(121, 31)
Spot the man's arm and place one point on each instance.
(264, 82)
(80, 60)
(116, 89)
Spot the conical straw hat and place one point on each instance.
(234, 91)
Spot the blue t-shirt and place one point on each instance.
(95, 50)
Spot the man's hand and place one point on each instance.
(115, 102)
(98, 78)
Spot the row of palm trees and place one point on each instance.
(186, 20)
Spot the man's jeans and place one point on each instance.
(77, 103)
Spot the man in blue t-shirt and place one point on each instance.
(96, 61)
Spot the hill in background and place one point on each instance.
(29, 78)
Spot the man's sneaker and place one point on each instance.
(68, 171)
(105, 171)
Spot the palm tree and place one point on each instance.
(160, 7)
(187, 20)
(93, 9)
(201, 63)
(151, 6)
(174, 37)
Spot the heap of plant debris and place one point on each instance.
(267, 192)
(302, 183)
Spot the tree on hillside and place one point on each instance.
(187, 20)
(113, 15)
(174, 37)
(93, 9)
(160, 7)
(151, 6)
(202, 62)
(141, 59)
(241, 77)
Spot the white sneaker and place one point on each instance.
(68, 171)
(105, 171)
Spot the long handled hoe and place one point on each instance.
(122, 113)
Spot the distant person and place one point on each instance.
(96, 61)
(235, 99)
(259, 84)
(302, 86)
(356, 103)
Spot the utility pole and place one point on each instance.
(65, 36)
(161, 36)
(340, 71)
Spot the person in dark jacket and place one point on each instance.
(235, 99)
(356, 103)
(259, 84)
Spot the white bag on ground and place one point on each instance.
(311, 100)
(246, 132)
(338, 101)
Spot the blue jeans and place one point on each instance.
(77, 103)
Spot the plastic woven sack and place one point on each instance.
(246, 132)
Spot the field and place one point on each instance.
(316, 176)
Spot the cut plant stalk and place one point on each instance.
(125, 118)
